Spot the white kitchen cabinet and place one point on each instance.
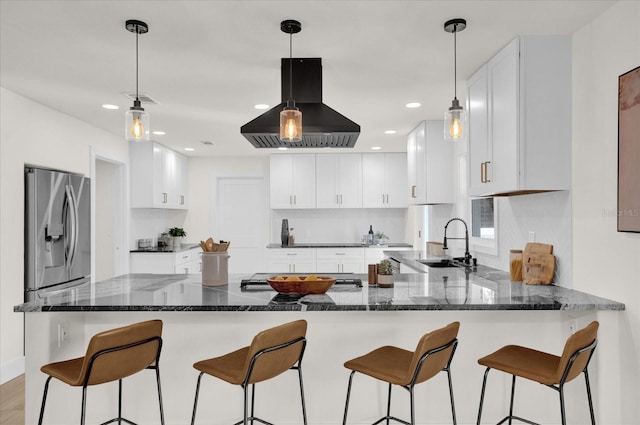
(384, 180)
(339, 180)
(183, 262)
(291, 260)
(340, 260)
(519, 127)
(429, 165)
(158, 176)
(292, 181)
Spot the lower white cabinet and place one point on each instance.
(183, 262)
(292, 260)
(340, 260)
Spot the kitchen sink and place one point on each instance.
(441, 263)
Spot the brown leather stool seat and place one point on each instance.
(111, 355)
(271, 353)
(548, 369)
(404, 368)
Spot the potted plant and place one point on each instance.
(177, 233)
(379, 238)
(385, 274)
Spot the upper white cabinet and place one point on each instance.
(158, 176)
(519, 126)
(339, 180)
(429, 165)
(292, 181)
(384, 180)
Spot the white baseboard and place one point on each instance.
(11, 370)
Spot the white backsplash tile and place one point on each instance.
(147, 223)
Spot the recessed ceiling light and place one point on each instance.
(108, 106)
(390, 132)
(159, 133)
(413, 105)
(261, 106)
(283, 148)
(376, 148)
(189, 149)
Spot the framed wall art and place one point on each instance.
(629, 151)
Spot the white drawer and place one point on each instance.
(188, 255)
(292, 253)
(337, 253)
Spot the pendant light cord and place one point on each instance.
(290, 66)
(137, 33)
(455, 62)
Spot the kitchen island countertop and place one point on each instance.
(338, 245)
(455, 288)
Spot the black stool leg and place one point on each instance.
(413, 410)
(253, 398)
(159, 393)
(246, 404)
(304, 408)
(44, 400)
(346, 404)
(562, 415)
(586, 379)
(389, 404)
(453, 407)
(484, 386)
(84, 404)
(513, 391)
(195, 400)
(119, 401)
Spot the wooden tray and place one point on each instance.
(301, 285)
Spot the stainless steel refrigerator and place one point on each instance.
(57, 246)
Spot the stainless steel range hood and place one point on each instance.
(322, 126)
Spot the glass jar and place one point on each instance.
(515, 265)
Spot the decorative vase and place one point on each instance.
(284, 233)
(385, 280)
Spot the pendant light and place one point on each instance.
(454, 118)
(290, 117)
(136, 118)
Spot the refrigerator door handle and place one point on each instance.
(72, 205)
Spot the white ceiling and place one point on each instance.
(206, 63)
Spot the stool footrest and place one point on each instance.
(119, 419)
(518, 418)
(253, 418)
(393, 418)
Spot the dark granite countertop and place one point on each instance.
(455, 288)
(168, 248)
(339, 245)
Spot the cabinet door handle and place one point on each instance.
(340, 199)
(341, 253)
(387, 198)
(292, 254)
(164, 197)
(482, 164)
(290, 200)
(293, 266)
(413, 191)
(181, 199)
(337, 199)
(383, 198)
(486, 172)
(294, 200)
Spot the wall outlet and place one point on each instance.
(63, 333)
(532, 236)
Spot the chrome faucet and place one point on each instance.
(467, 255)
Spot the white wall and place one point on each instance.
(605, 262)
(33, 134)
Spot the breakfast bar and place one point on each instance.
(352, 317)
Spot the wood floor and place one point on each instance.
(12, 402)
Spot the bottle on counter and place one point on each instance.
(291, 237)
(370, 240)
(515, 265)
(284, 232)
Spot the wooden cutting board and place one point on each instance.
(538, 248)
(538, 269)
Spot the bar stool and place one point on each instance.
(271, 353)
(406, 368)
(111, 355)
(544, 368)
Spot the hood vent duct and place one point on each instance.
(322, 126)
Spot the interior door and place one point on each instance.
(243, 219)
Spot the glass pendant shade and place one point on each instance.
(137, 128)
(454, 120)
(291, 125)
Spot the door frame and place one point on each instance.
(120, 207)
